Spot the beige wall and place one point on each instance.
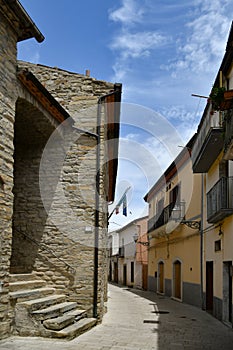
(212, 234)
(181, 243)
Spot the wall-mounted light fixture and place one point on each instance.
(178, 213)
(135, 237)
(220, 230)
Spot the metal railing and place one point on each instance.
(211, 121)
(220, 200)
(228, 122)
(44, 247)
(173, 211)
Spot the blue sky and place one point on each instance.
(162, 51)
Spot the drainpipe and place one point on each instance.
(117, 90)
(96, 239)
(201, 239)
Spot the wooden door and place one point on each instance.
(161, 277)
(177, 279)
(209, 286)
(144, 276)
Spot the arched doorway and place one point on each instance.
(31, 133)
(177, 279)
(161, 277)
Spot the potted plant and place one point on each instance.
(221, 99)
(217, 98)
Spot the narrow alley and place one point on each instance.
(140, 320)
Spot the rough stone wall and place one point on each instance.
(70, 226)
(7, 114)
(32, 131)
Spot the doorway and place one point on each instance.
(177, 279)
(31, 133)
(161, 277)
(227, 292)
(144, 276)
(209, 286)
(125, 275)
(115, 272)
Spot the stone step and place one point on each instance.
(23, 285)
(31, 294)
(77, 313)
(59, 323)
(73, 330)
(41, 303)
(22, 277)
(54, 311)
(67, 319)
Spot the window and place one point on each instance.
(217, 245)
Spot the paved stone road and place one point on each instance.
(178, 326)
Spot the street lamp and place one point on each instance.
(135, 237)
(177, 215)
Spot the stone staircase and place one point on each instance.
(39, 311)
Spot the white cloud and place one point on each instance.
(130, 12)
(202, 49)
(131, 44)
(136, 45)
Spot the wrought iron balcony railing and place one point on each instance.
(228, 135)
(209, 141)
(220, 200)
(173, 211)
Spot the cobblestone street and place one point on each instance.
(141, 320)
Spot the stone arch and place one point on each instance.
(32, 130)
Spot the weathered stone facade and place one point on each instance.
(7, 113)
(54, 177)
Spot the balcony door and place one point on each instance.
(160, 207)
(174, 197)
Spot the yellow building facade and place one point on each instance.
(212, 156)
(174, 261)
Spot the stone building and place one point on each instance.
(58, 165)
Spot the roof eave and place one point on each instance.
(23, 24)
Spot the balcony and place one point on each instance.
(209, 142)
(171, 212)
(228, 139)
(220, 200)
